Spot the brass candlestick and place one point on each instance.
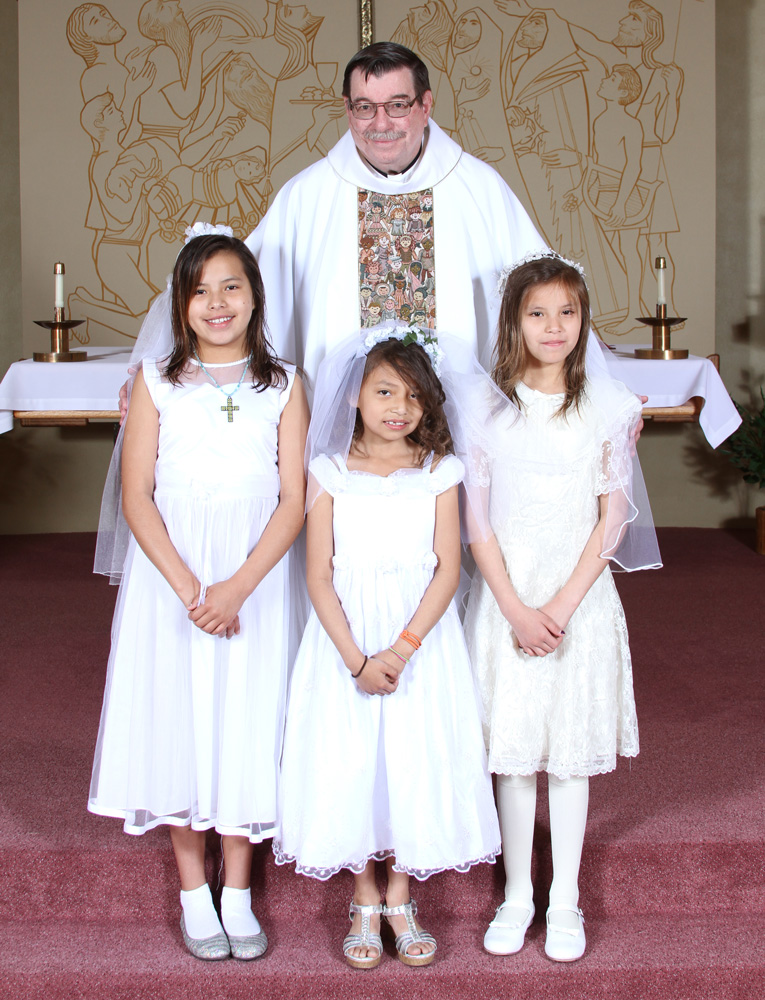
(661, 325)
(59, 327)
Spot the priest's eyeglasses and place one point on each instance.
(393, 109)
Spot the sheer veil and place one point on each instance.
(474, 409)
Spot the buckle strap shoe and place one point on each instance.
(505, 935)
(366, 939)
(412, 935)
(565, 944)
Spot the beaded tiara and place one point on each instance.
(545, 254)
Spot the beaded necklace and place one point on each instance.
(228, 408)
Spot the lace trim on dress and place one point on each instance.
(588, 769)
(357, 867)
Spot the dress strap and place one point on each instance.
(339, 461)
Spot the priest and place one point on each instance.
(396, 202)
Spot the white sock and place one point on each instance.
(236, 912)
(568, 818)
(517, 803)
(199, 913)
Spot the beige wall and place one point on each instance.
(50, 479)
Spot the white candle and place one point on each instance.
(661, 273)
(58, 271)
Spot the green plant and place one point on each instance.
(746, 446)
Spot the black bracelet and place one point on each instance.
(354, 676)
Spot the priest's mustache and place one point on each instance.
(390, 134)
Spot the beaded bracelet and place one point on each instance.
(401, 657)
(354, 676)
(411, 638)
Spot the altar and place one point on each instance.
(39, 394)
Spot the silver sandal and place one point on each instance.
(411, 935)
(367, 938)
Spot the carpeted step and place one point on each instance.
(616, 879)
(672, 869)
(627, 959)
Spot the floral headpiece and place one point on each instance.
(407, 335)
(206, 229)
(545, 254)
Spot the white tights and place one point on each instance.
(517, 801)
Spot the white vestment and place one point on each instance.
(307, 245)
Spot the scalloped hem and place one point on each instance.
(558, 770)
(357, 867)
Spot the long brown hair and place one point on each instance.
(510, 354)
(265, 366)
(412, 365)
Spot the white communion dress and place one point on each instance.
(369, 776)
(191, 725)
(572, 711)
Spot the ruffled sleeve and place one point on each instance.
(325, 476)
(449, 472)
(629, 539)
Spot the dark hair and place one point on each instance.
(385, 57)
(413, 366)
(510, 355)
(265, 366)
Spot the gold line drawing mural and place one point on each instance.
(587, 120)
(182, 130)
(202, 110)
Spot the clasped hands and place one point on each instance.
(537, 631)
(219, 614)
(381, 673)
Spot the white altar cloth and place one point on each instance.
(94, 385)
(672, 383)
(85, 385)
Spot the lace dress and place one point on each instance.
(570, 712)
(365, 776)
(191, 726)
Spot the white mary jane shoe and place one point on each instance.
(564, 944)
(504, 935)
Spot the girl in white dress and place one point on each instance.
(544, 625)
(213, 492)
(383, 753)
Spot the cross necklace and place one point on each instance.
(229, 408)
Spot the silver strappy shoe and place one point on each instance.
(411, 935)
(367, 938)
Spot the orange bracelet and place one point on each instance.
(411, 638)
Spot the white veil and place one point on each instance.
(155, 340)
(474, 407)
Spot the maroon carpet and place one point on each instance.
(672, 874)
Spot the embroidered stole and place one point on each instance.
(396, 258)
